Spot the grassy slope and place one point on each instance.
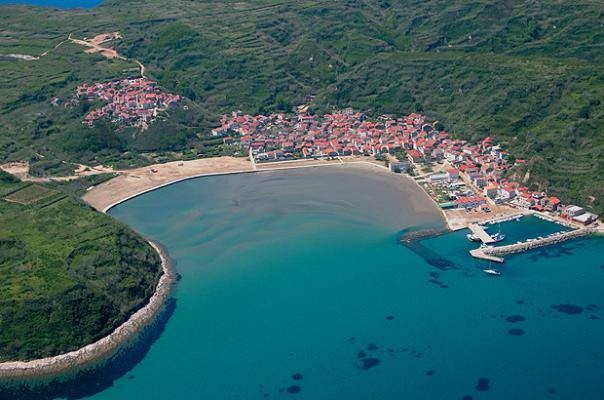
(70, 275)
(527, 72)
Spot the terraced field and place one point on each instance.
(31, 194)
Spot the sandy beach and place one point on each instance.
(134, 182)
(131, 183)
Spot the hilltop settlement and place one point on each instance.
(456, 174)
(130, 102)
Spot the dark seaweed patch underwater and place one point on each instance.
(515, 318)
(368, 362)
(483, 384)
(568, 308)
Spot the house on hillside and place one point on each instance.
(415, 156)
(552, 204)
(491, 191)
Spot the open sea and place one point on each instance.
(295, 286)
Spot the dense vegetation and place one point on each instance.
(70, 275)
(526, 72)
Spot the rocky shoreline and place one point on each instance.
(104, 348)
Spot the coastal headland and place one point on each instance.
(102, 350)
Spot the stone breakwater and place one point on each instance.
(533, 244)
(496, 253)
(104, 348)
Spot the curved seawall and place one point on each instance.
(104, 348)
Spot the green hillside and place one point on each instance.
(526, 72)
(70, 275)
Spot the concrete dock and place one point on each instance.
(479, 253)
(481, 233)
(495, 253)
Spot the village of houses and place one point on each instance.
(467, 180)
(131, 102)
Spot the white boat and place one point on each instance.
(498, 237)
(493, 272)
(472, 238)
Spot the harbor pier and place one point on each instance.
(479, 232)
(496, 253)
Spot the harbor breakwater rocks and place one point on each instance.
(103, 349)
(533, 244)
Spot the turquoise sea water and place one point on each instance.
(294, 286)
(56, 3)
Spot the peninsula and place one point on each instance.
(76, 284)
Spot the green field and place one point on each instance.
(528, 73)
(30, 194)
(70, 275)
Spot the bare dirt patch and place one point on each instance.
(96, 44)
(20, 169)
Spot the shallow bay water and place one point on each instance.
(294, 285)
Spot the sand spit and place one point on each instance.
(106, 347)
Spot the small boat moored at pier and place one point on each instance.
(498, 237)
(493, 272)
(473, 238)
